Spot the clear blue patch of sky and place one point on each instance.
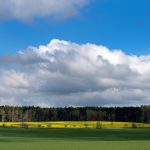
(117, 24)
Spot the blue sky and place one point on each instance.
(113, 23)
(98, 49)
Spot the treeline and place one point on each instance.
(27, 114)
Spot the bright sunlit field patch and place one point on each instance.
(75, 124)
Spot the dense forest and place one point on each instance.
(124, 114)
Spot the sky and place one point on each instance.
(74, 53)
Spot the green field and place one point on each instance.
(74, 139)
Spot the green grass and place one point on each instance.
(74, 139)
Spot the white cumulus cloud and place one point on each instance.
(30, 9)
(63, 73)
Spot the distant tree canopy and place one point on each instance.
(123, 114)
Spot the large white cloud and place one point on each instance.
(63, 73)
(28, 9)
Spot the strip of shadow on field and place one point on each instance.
(75, 134)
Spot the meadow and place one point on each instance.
(74, 139)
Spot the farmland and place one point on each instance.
(74, 139)
(75, 124)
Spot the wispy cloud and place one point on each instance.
(63, 73)
(26, 10)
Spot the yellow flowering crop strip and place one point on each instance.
(74, 124)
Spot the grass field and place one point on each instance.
(74, 139)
